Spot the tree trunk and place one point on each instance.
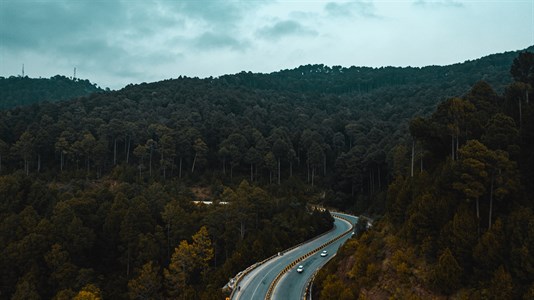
(180, 172)
(452, 146)
(278, 171)
(231, 172)
(457, 143)
(413, 157)
(169, 241)
(290, 169)
(242, 230)
(172, 166)
(312, 175)
(308, 168)
(61, 160)
(324, 164)
(370, 183)
(150, 162)
(194, 161)
(38, 163)
(478, 219)
(164, 165)
(115, 152)
(421, 161)
(491, 201)
(88, 165)
(379, 180)
(224, 165)
(520, 114)
(251, 173)
(128, 263)
(128, 151)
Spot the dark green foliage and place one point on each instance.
(447, 274)
(97, 192)
(523, 68)
(18, 91)
(468, 211)
(120, 236)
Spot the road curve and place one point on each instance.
(292, 285)
(255, 284)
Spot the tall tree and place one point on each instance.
(201, 150)
(252, 157)
(188, 258)
(140, 152)
(315, 159)
(280, 150)
(523, 68)
(24, 148)
(147, 284)
(167, 149)
(4, 150)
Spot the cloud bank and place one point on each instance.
(117, 42)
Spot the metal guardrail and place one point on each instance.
(255, 265)
(295, 262)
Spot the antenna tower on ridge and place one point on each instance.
(22, 70)
(74, 77)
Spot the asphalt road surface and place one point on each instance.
(292, 285)
(255, 284)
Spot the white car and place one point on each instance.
(300, 269)
(324, 253)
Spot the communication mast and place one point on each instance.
(23, 70)
(74, 77)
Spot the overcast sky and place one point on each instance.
(116, 42)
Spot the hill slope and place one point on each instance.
(460, 224)
(493, 69)
(353, 132)
(17, 91)
(97, 191)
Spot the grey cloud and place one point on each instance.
(87, 34)
(437, 3)
(220, 12)
(285, 28)
(33, 24)
(210, 40)
(216, 13)
(351, 9)
(43, 25)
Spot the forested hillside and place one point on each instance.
(448, 80)
(97, 190)
(17, 91)
(460, 211)
(341, 139)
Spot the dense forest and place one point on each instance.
(97, 191)
(460, 213)
(17, 91)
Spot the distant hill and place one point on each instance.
(494, 69)
(17, 91)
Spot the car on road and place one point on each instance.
(300, 269)
(324, 253)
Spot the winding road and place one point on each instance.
(255, 284)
